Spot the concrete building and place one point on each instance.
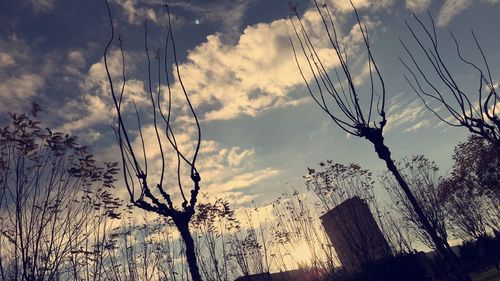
(354, 234)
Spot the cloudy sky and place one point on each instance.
(260, 128)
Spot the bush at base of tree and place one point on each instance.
(481, 254)
(404, 267)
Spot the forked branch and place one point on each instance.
(440, 91)
(336, 92)
(130, 159)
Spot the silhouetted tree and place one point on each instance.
(336, 93)
(439, 86)
(157, 199)
(399, 237)
(54, 203)
(472, 190)
(466, 210)
(214, 222)
(146, 249)
(477, 165)
(249, 246)
(421, 175)
(333, 183)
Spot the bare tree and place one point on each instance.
(398, 236)
(439, 86)
(88, 259)
(466, 211)
(336, 93)
(158, 199)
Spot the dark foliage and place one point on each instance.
(54, 201)
(481, 254)
(405, 267)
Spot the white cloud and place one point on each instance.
(95, 110)
(22, 74)
(409, 115)
(419, 125)
(238, 188)
(252, 76)
(92, 135)
(6, 60)
(450, 9)
(76, 58)
(137, 11)
(43, 6)
(346, 7)
(418, 5)
(14, 52)
(258, 72)
(253, 216)
(94, 105)
(242, 180)
(16, 91)
(75, 65)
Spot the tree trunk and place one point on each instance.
(445, 251)
(183, 227)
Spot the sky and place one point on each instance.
(260, 128)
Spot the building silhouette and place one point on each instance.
(291, 275)
(354, 234)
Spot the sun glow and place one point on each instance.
(301, 254)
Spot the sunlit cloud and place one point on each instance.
(418, 5)
(409, 114)
(346, 7)
(259, 72)
(94, 106)
(76, 58)
(6, 60)
(17, 91)
(19, 81)
(450, 9)
(137, 11)
(243, 180)
(247, 78)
